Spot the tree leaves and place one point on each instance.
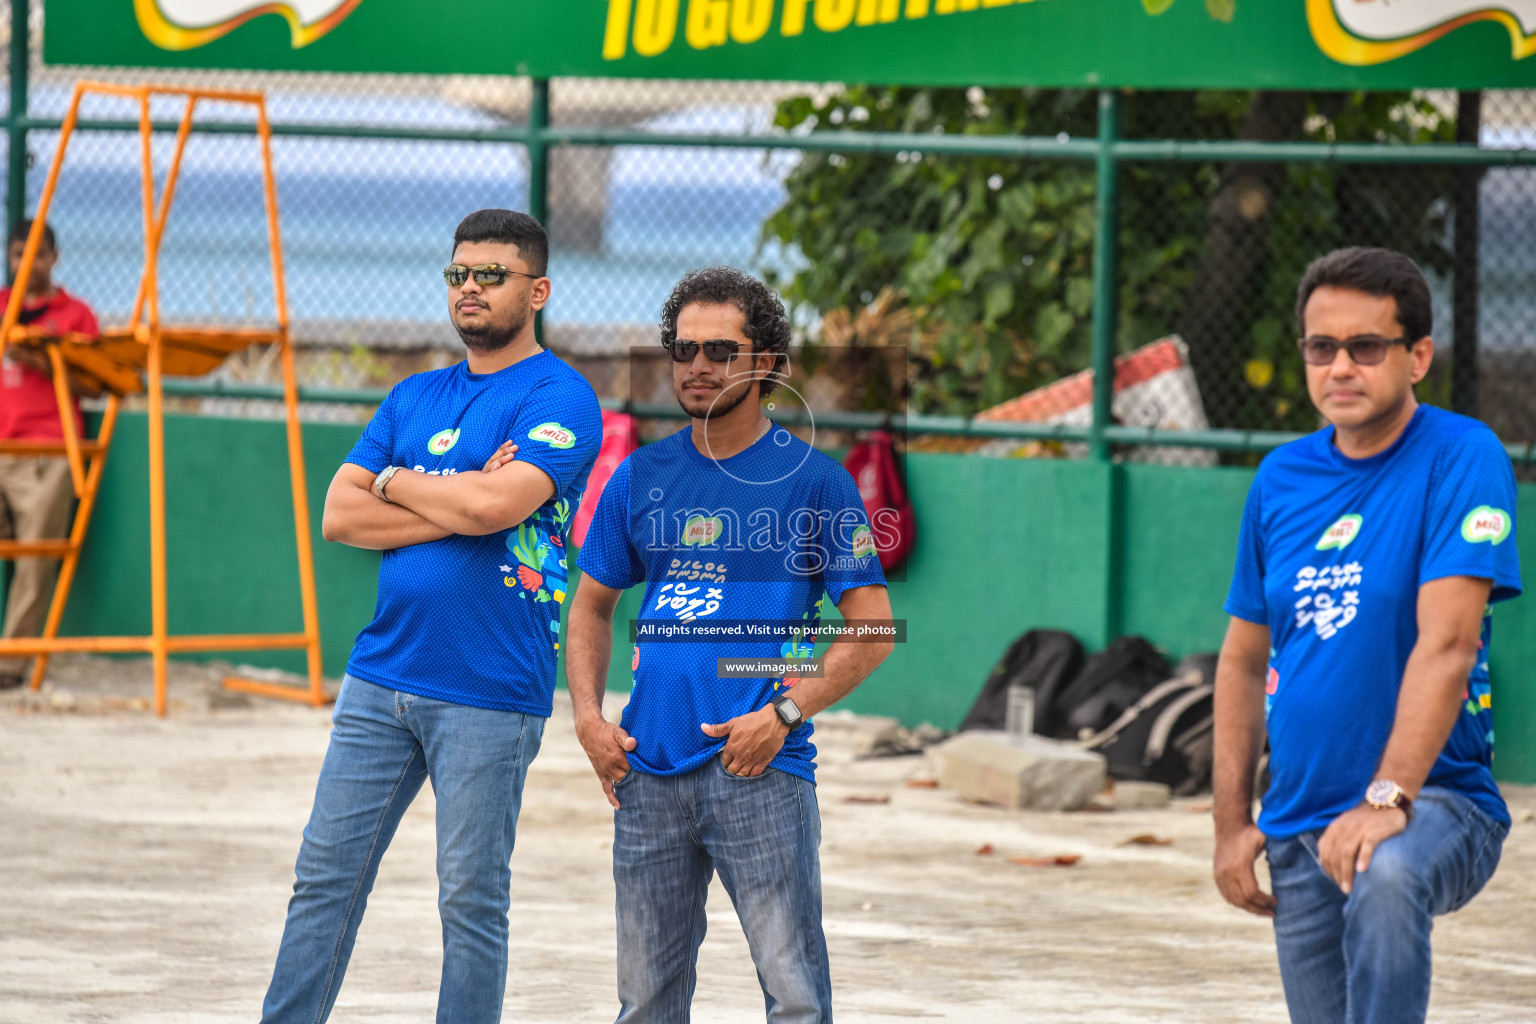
(995, 256)
(1156, 7)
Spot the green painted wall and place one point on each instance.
(232, 562)
(1005, 545)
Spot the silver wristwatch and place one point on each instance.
(382, 481)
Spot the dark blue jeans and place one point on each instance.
(383, 747)
(1365, 958)
(671, 834)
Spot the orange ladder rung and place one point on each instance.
(41, 447)
(35, 548)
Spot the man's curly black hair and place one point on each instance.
(767, 323)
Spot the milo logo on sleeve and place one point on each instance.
(863, 542)
(553, 434)
(1486, 524)
(440, 442)
(1340, 535)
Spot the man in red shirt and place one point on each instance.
(35, 491)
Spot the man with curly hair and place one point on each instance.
(732, 523)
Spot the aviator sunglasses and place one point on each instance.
(716, 350)
(485, 274)
(1363, 349)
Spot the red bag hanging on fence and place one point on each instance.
(872, 463)
(621, 435)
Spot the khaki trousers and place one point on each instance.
(35, 499)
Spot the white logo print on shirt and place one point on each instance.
(683, 601)
(1321, 610)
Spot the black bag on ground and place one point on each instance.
(1166, 736)
(1109, 682)
(1046, 659)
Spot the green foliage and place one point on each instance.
(995, 255)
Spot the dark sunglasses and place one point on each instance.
(486, 273)
(716, 351)
(1363, 349)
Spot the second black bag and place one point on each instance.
(1165, 736)
(1045, 659)
(1109, 682)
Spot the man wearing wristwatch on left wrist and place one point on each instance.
(712, 768)
(1369, 555)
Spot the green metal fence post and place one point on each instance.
(538, 151)
(1105, 320)
(538, 168)
(1105, 262)
(16, 178)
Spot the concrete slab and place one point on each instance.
(1129, 795)
(1018, 771)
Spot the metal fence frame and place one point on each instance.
(1107, 151)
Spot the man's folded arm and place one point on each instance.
(474, 504)
(354, 515)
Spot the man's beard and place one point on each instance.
(723, 404)
(490, 338)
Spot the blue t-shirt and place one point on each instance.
(1331, 557)
(476, 620)
(759, 537)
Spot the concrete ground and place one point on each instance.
(145, 865)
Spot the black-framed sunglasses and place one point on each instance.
(715, 350)
(485, 274)
(1363, 349)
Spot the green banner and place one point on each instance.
(1275, 44)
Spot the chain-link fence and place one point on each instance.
(977, 259)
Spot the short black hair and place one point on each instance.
(767, 323)
(23, 228)
(508, 227)
(1380, 272)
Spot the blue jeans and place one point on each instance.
(1365, 958)
(384, 745)
(671, 833)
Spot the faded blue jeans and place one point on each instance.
(1365, 958)
(671, 834)
(384, 745)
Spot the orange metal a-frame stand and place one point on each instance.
(113, 363)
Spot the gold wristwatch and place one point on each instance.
(1384, 793)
